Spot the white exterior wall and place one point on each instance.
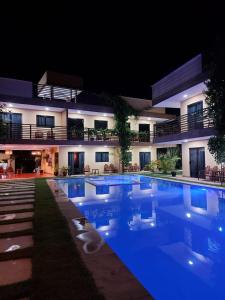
(89, 120)
(137, 149)
(29, 115)
(185, 103)
(89, 156)
(209, 160)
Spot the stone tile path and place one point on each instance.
(16, 215)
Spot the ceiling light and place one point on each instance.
(105, 115)
(46, 108)
(78, 111)
(185, 96)
(149, 119)
(10, 105)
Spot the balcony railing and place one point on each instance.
(51, 92)
(184, 123)
(17, 132)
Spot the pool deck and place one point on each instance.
(111, 276)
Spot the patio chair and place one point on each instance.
(50, 135)
(38, 135)
(113, 168)
(136, 168)
(87, 170)
(107, 169)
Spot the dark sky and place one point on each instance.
(122, 49)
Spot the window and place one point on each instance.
(102, 156)
(101, 124)
(45, 121)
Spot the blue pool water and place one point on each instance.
(170, 235)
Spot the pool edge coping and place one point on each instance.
(63, 203)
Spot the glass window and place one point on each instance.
(102, 156)
(101, 124)
(45, 121)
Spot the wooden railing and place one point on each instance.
(18, 132)
(184, 123)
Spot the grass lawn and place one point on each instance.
(58, 271)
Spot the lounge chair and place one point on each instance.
(87, 170)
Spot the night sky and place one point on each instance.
(117, 49)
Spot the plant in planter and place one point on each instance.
(64, 170)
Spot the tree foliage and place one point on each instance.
(122, 111)
(215, 99)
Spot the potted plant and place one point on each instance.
(64, 170)
(173, 173)
(56, 172)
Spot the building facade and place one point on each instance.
(184, 89)
(55, 124)
(51, 128)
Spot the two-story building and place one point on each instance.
(184, 89)
(56, 124)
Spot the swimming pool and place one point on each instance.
(170, 235)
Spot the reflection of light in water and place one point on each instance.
(80, 203)
(190, 262)
(106, 200)
(203, 189)
(220, 228)
(152, 224)
(188, 215)
(107, 233)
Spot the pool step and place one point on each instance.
(16, 197)
(18, 229)
(16, 202)
(12, 192)
(16, 208)
(15, 271)
(16, 217)
(10, 245)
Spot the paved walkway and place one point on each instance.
(16, 241)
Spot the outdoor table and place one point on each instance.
(95, 171)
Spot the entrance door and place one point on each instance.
(13, 123)
(24, 160)
(144, 132)
(197, 161)
(145, 158)
(76, 128)
(76, 162)
(195, 116)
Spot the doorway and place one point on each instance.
(145, 158)
(24, 160)
(75, 162)
(197, 160)
(76, 129)
(195, 115)
(144, 132)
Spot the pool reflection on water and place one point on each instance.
(170, 235)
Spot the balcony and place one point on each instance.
(187, 126)
(12, 133)
(50, 92)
